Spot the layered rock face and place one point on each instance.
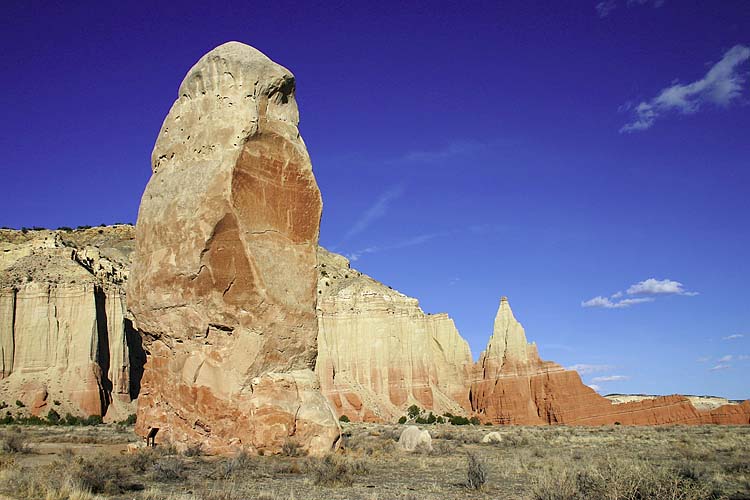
(379, 353)
(65, 342)
(512, 385)
(223, 285)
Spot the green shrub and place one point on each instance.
(128, 421)
(92, 420)
(475, 421)
(459, 420)
(53, 417)
(20, 404)
(343, 418)
(71, 419)
(413, 411)
(402, 420)
(431, 419)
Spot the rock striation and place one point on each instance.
(379, 353)
(223, 283)
(65, 341)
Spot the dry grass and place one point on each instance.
(561, 463)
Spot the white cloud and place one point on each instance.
(610, 378)
(585, 369)
(649, 287)
(595, 387)
(375, 211)
(719, 367)
(653, 286)
(733, 337)
(606, 303)
(703, 359)
(720, 86)
(725, 359)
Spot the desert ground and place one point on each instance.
(615, 462)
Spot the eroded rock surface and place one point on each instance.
(65, 341)
(379, 353)
(223, 284)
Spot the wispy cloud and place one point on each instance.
(595, 387)
(653, 286)
(721, 86)
(610, 378)
(719, 367)
(585, 369)
(726, 359)
(704, 359)
(408, 242)
(606, 303)
(377, 210)
(558, 347)
(647, 288)
(605, 7)
(733, 337)
(457, 148)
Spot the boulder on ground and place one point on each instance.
(492, 437)
(414, 439)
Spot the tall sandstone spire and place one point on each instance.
(223, 284)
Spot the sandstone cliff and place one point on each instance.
(379, 353)
(223, 283)
(65, 342)
(512, 385)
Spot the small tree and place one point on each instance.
(402, 420)
(343, 418)
(431, 419)
(413, 411)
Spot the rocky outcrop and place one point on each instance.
(512, 385)
(223, 284)
(699, 402)
(379, 353)
(65, 343)
(412, 438)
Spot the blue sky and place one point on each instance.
(553, 152)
